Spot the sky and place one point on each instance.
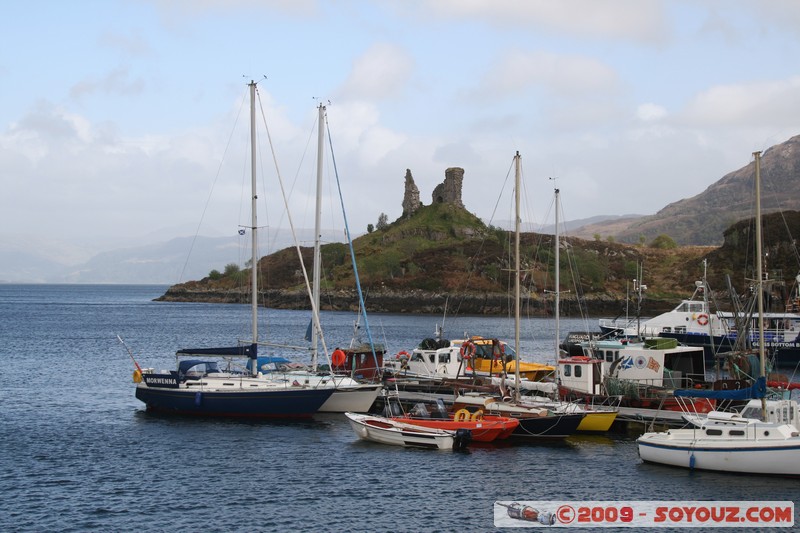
(121, 121)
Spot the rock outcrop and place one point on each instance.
(411, 196)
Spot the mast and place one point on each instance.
(558, 279)
(760, 274)
(516, 274)
(316, 273)
(254, 230)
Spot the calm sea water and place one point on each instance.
(78, 452)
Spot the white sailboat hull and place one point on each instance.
(767, 449)
(357, 399)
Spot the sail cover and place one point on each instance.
(758, 390)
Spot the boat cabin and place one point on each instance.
(656, 362)
(439, 358)
(359, 362)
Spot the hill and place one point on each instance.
(442, 255)
(702, 219)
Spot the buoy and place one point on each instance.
(337, 357)
(137, 376)
(198, 398)
(461, 415)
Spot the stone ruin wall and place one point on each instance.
(447, 192)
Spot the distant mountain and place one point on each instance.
(163, 262)
(167, 262)
(702, 219)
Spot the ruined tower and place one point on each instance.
(449, 191)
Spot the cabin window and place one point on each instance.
(444, 357)
(417, 357)
(667, 329)
(567, 370)
(432, 357)
(737, 433)
(578, 371)
(609, 356)
(715, 432)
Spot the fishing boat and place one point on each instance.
(731, 442)
(199, 386)
(467, 359)
(641, 376)
(391, 431)
(693, 323)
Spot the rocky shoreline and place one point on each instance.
(418, 302)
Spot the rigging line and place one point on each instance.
(213, 184)
(314, 310)
(350, 242)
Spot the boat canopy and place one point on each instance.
(758, 390)
(196, 366)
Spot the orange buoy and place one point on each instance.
(338, 357)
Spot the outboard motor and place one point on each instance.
(462, 439)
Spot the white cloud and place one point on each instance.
(775, 103)
(641, 21)
(379, 74)
(650, 112)
(560, 75)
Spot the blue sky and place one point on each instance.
(115, 115)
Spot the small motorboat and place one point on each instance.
(484, 428)
(392, 431)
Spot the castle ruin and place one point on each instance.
(447, 192)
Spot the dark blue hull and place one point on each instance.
(290, 403)
(547, 427)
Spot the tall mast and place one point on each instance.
(558, 279)
(317, 269)
(253, 229)
(760, 274)
(516, 274)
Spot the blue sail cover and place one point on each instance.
(241, 351)
(758, 390)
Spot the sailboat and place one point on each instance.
(534, 422)
(732, 442)
(199, 386)
(348, 393)
(595, 419)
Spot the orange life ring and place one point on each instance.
(702, 319)
(337, 357)
(467, 350)
(401, 355)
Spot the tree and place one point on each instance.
(664, 241)
(231, 269)
(215, 274)
(370, 228)
(383, 221)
